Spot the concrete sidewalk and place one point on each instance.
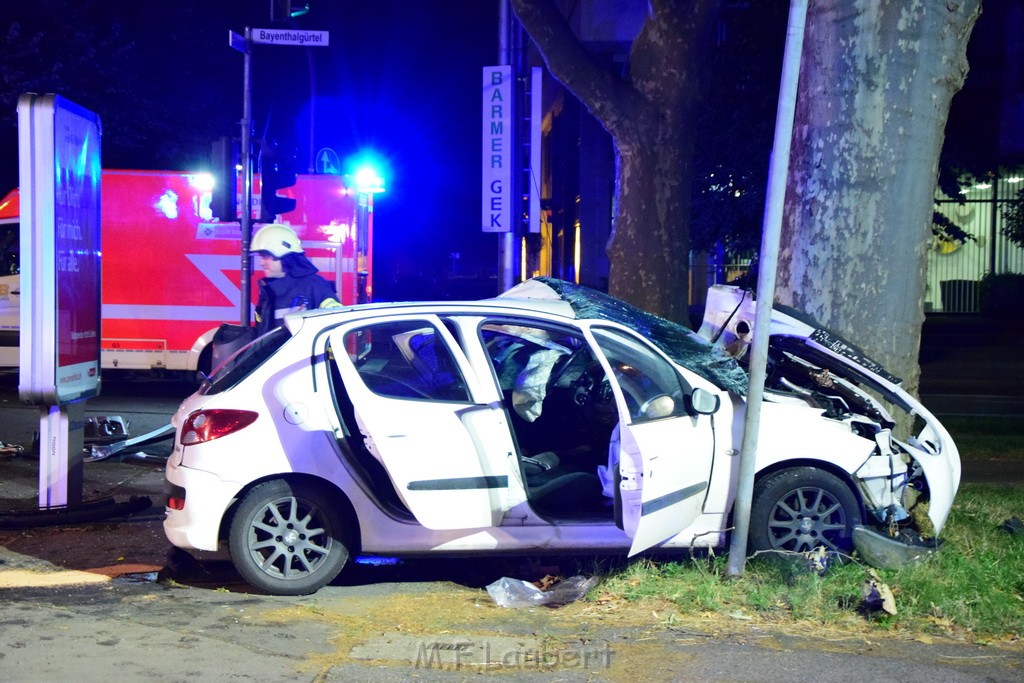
(144, 406)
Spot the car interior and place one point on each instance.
(559, 404)
(562, 412)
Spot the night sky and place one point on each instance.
(400, 79)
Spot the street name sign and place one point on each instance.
(287, 36)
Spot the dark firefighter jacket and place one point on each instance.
(301, 288)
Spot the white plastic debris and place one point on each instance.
(507, 592)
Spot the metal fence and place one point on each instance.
(955, 269)
(707, 269)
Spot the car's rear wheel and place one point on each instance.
(287, 538)
(801, 508)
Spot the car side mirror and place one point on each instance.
(703, 402)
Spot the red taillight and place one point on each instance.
(207, 425)
(176, 503)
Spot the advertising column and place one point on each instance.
(59, 166)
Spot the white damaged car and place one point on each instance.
(553, 418)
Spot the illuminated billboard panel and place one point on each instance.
(59, 157)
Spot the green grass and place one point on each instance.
(977, 579)
(984, 437)
(974, 584)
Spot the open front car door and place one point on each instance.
(665, 445)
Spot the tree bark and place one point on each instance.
(876, 82)
(649, 114)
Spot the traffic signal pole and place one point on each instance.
(244, 45)
(245, 219)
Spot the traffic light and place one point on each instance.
(224, 163)
(277, 171)
(287, 9)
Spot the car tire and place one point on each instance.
(801, 508)
(287, 538)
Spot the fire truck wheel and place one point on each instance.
(286, 538)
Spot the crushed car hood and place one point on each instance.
(809, 362)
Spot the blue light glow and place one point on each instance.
(367, 170)
(368, 180)
(375, 561)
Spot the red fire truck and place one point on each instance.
(172, 273)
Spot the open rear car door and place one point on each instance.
(446, 455)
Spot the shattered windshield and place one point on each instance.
(679, 343)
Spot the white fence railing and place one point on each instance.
(955, 269)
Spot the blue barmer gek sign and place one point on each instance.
(496, 215)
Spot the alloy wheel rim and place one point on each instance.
(805, 518)
(288, 538)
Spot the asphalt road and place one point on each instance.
(143, 404)
(137, 631)
(105, 599)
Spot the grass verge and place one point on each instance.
(983, 437)
(973, 586)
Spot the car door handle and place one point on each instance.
(496, 405)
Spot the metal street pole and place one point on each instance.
(769, 260)
(246, 216)
(507, 245)
(311, 166)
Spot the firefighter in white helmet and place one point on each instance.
(290, 281)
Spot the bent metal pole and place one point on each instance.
(769, 259)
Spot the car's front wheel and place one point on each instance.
(801, 508)
(287, 538)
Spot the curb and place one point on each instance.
(92, 511)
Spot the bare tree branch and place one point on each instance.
(610, 99)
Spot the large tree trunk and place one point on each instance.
(649, 115)
(650, 244)
(875, 86)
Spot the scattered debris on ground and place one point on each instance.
(876, 595)
(549, 591)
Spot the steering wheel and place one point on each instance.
(567, 363)
(581, 389)
(592, 389)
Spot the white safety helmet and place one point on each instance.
(277, 240)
